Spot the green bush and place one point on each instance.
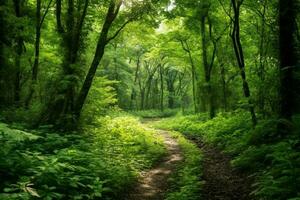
(155, 113)
(49, 165)
(281, 178)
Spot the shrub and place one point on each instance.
(155, 113)
(47, 165)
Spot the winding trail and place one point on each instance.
(222, 181)
(153, 184)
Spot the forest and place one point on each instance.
(150, 99)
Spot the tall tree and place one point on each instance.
(59, 26)
(2, 47)
(186, 47)
(288, 56)
(2, 33)
(238, 49)
(135, 81)
(39, 23)
(103, 40)
(18, 7)
(208, 66)
(161, 79)
(171, 76)
(62, 109)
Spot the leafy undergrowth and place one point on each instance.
(186, 183)
(155, 113)
(272, 159)
(98, 163)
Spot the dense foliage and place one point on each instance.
(73, 74)
(51, 165)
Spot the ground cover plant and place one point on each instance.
(50, 165)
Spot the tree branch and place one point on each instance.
(184, 47)
(80, 24)
(118, 31)
(224, 9)
(45, 13)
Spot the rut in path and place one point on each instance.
(222, 182)
(153, 183)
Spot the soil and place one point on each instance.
(153, 184)
(222, 181)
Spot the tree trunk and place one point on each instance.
(148, 88)
(171, 78)
(224, 87)
(154, 96)
(288, 58)
(240, 56)
(207, 66)
(73, 41)
(2, 35)
(19, 52)
(38, 26)
(62, 110)
(186, 48)
(2, 56)
(142, 98)
(161, 88)
(59, 26)
(171, 95)
(262, 52)
(133, 92)
(102, 42)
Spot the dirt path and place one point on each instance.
(153, 183)
(222, 182)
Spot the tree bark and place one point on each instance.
(171, 78)
(207, 66)
(2, 56)
(149, 81)
(2, 35)
(133, 92)
(19, 52)
(62, 110)
(288, 57)
(224, 87)
(38, 27)
(161, 87)
(187, 49)
(73, 42)
(262, 53)
(111, 15)
(59, 26)
(240, 55)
